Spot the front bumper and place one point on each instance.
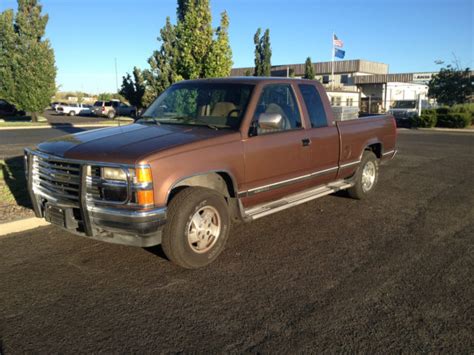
(114, 224)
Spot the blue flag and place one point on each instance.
(339, 53)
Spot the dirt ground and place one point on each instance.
(389, 274)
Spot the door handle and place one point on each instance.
(306, 142)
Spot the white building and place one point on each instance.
(360, 83)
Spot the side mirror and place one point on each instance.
(270, 120)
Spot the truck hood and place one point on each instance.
(126, 144)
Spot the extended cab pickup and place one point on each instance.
(204, 154)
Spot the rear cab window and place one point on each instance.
(314, 105)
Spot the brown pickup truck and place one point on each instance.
(204, 154)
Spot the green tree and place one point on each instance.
(133, 89)
(32, 62)
(7, 56)
(308, 69)
(190, 49)
(162, 72)
(219, 59)
(263, 53)
(104, 96)
(194, 39)
(451, 86)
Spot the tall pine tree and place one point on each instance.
(308, 69)
(7, 56)
(163, 68)
(263, 53)
(133, 89)
(31, 60)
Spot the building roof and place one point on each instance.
(322, 68)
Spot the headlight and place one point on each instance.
(114, 174)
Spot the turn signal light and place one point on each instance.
(145, 197)
(143, 174)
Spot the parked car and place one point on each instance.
(113, 108)
(204, 154)
(74, 109)
(7, 109)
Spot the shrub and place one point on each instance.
(465, 108)
(442, 110)
(428, 118)
(454, 120)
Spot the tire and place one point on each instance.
(366, 176)
(183, 242)
(111, 114)
(71, 113)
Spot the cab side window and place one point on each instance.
(277, 99)
(314, 104)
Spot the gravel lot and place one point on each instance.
(388, 274)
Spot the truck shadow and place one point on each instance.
(13, 176)
(157, 250)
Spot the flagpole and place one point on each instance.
(332, 64)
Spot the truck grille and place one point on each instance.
(56, 178)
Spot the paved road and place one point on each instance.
(12, 142)
(390, 273)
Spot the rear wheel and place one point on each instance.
(111, 114)
(366, 176)
(197, 227)
(72, 113)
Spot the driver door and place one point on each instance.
(276, 158)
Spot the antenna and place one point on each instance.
(116, 75)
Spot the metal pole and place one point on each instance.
(419, 104)
(116, 76)
(332, 66)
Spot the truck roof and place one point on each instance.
(248, 80)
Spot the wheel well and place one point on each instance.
(376, 148)
(218, 181)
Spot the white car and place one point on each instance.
(73, 109)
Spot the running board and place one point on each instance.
(295, 199)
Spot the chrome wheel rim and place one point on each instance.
(204, 229)
(368, 176)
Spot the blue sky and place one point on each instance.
(87, 35)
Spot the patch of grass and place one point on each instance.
(23, 124)
(12, 182)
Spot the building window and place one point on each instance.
(338, 101)
(325, 79)
(332, 101)
(349, 101)
(344, 79)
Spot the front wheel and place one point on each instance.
(72, 113)
(366, 176)
(197, 227)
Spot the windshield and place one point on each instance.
(405, 104)
(216, 105)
